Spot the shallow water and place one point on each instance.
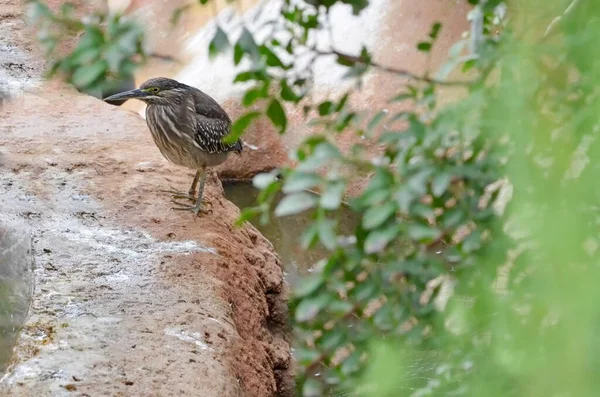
(285, 233)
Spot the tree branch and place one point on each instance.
(399, 72)
(552, 26)
(162, 57)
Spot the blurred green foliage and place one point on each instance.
(473, 270)
(108, 50)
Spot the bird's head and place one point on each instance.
(156, 91)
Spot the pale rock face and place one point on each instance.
(119, 5)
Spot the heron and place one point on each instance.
(188, 127)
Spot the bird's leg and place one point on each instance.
(198, 205)
(195, 183)
(176, 194)
(197, 208)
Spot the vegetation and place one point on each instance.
(477, 255)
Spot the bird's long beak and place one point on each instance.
(123, 96)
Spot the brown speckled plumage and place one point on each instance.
(187, 125)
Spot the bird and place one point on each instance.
(187, 126)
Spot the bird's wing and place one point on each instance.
(210, 133)
(206, 106)
(211, 124)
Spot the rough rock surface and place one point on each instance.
(130, 298)
(15, 284)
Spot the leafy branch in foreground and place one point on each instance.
(425, 266)
(426, 212)
(109, 49)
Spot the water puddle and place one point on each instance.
(284, 233)
(15, 287)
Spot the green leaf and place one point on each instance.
(423, 233)
(312, 163)
(114, 57)
(331, 340)
(129, 40)
(326, 108)
(422, 210)
(327, 234)
(383, 319)
(374, 197)
(382, 179)
(67, 10)
(457, 48)
(323, 152)
(332, 198)
(472, 242)
(312, 388)
(309, 237)
(253, 94)
(404, 198)
(248, 45)
(271, 59)
(402, 97)
(378, 118)
(377, 240)
(276, 114)
(39, 11)
(93, 37)
(424, 46)
(288, 94)
(452, 217)
(300, 181)
(440, 183)
(85, 55)
(468, 65)
(247, 214)
(446, 69)
(308, 308)
(418, 182)
(85, 76)
(435, 30)
(342, 103)
(269, 193)
(365, 291)
(249, 75)
(344, 119)
(238, 54)
(176, 15)
(376, 216)
(219, 43)
(240, 126)
(261, 181)
(295, 204)
(306, 286)
(358, 6)
(340, 307)
(351, 365)
(304, 356)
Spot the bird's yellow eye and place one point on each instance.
(154, 90)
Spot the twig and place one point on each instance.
(476, 30)
(552, 26)
(163, 57)
(400, 72)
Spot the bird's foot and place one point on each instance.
(176, 194)
(196, 209)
